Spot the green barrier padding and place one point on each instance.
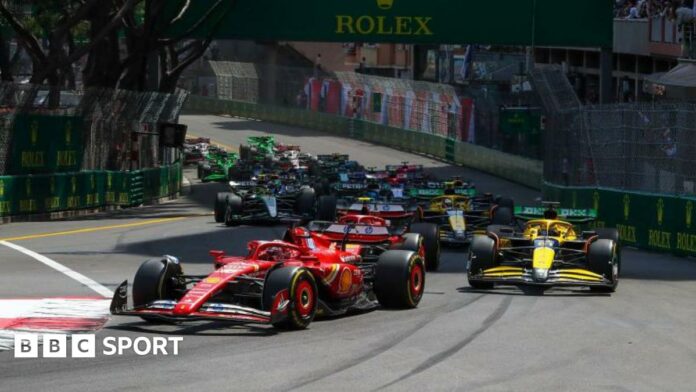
(449, 150)
(655, 222)
(44, 193)
(46, 144)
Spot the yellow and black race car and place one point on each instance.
(548, 252)
(460, 217)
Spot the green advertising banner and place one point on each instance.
(503, 22)
(655, 222)
(514, 121)
(44, 193)
(46, 144)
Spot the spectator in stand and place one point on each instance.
(684, 13)
(632, 10)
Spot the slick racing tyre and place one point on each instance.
(306, 202)
(603, 259)
(199, 168)
(502, 216)
(296, 285)
(236, 173)
(430, 233)
(233, 207)
(611, 234)
(244, 152)
(156, 280)
(326, 208)
(205, 172)
(505, 202)
(399, 279)
(412, 242)
(481, 257)
(221, 206)
(500, 231)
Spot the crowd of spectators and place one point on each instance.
(681, 10)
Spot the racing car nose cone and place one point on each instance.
(181, 309)
(541, 274)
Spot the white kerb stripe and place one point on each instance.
(98, 288)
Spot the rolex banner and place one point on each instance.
(657, 222)
(47, 193)
(46, 144)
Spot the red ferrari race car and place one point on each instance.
(277, 283)
(370, 236)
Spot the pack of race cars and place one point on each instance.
(359, 238)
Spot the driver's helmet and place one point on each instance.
(372, 194)
(554, 232)
(447, 202)
(551, 214)
(271, 254)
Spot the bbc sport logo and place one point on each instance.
(31, 345)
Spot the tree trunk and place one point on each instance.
(103, 67)
(5, 63)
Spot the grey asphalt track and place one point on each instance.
(642, 338)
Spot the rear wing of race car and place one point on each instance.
(261, 140)
(404, 166)
(571, 215)
(243, 184)
(333, 157)
(348, 229)
(435, 191)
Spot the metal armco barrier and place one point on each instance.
(44, 193)
(656, 222)
(511, 167)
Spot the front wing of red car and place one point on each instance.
(164, 310)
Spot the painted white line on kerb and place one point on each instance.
(98, 288)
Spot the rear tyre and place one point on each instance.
(205, 172)
(235, 173)
(306, 202)
(481, 257)
(502, 216)
(399, 279)
(412, 242)
(506, 202)
(220, 206)
(199, 168)
(430, 233)
(244, 152)
(326, 208)
(500, 230)
(603, 259)
(233, 207)
(156, 280)
(300, 289)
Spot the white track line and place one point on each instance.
(98, 288)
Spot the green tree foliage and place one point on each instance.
(114, 41)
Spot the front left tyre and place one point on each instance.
(297, 286)
(233, 208)
(482, 254)
(602, 258)
(157, 279)
(220, 206)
